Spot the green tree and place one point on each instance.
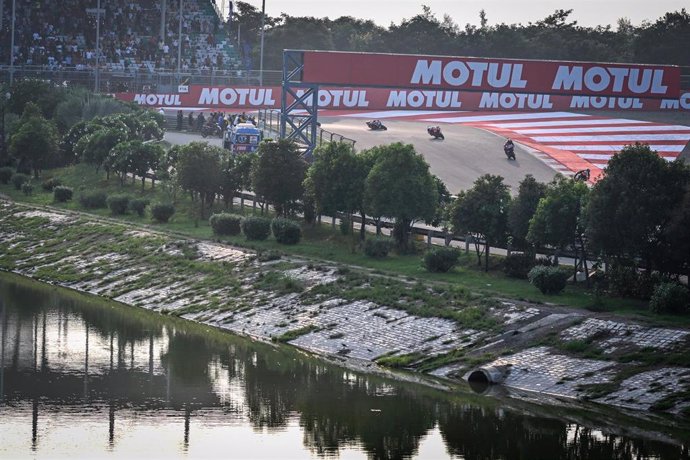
(119, 159)
(400, 186)
(145, 159)
(558, 215)
(198, 172)
(335, 180)
(230, 179)
(632, 204)
(482, 212)
(658, 42)
(530, 191)
(38, 92)
(278, 174)
(36, 139)
(99, 144)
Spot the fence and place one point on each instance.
(269, 120)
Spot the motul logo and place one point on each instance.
(614, 79)
(476, 74)
(254, 97)
(157, 99)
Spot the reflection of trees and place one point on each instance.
(475, 433)
(389, 424)
(336, 407)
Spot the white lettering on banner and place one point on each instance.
(337, 98)
(598, 79)
(600, 102)
(458, 73)
(428, 99)
(515, 101)
(254, 97)
(674, 104)
(157, 99)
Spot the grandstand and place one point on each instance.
(138, 37)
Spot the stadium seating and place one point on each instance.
(62, 35)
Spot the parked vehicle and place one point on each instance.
(211, 130)
(243, 138)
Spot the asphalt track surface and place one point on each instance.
(464, 155)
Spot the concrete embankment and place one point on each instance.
(329, 310)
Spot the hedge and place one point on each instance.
(93, 200)
(118, 204)
(162, 212)
(441, 260)
(225, 224)
(256, 228)
(549, 280)
(286, 231)
(62, 194)
(377, 248)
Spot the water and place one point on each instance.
(83, 378)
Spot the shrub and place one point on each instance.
(670, 298)
(518, 265)
(118, 204)
(5, 174)
(441, 260)
(545, 261)
(377, 248)
(256, 228)
(225, 224)
(138, 205)
(162, 212)
(549, 280)
(626, 281)
(286, 231)
(27, 188)
(62, 194)
(49, 184)
(93, 200)
(19, 179)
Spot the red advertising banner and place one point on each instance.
(343, 98)
(334, 68)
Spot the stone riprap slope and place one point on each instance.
(349, 314)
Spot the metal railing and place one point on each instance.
(140, 80)
(269, 120)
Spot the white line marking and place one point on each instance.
(614, 148)
(606, 156)
(621, 129)
(615, 138)
(398, 113)
(533, 124)
(514, 116)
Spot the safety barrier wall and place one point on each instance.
(348, 98)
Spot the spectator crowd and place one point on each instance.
(62, 34)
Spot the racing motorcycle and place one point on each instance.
(509, 150)
(435, 132)
(376, 125)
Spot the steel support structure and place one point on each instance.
(298, 119)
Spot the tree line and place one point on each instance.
(556, 36)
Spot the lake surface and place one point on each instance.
(82, 378)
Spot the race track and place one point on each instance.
(546, 143)
(464, 155)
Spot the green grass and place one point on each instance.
(327, 244)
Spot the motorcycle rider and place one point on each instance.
(582, 175)
(376, 124)
(508, 145)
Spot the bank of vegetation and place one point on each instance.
(633, 220)
(557, 36)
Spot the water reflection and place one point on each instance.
(82, 378)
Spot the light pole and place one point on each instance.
(179, 44)
(98, 46)
(14, 17)
(261, 59)
(3, 145)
